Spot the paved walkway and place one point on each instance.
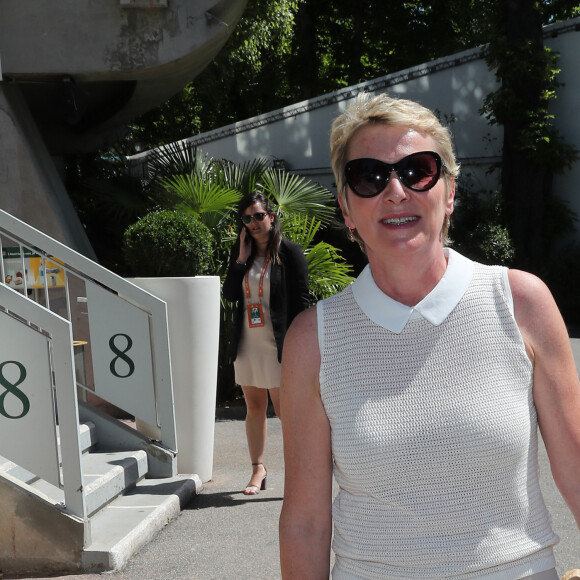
(223, 534)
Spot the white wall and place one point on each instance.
(454, 86)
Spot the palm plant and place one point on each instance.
(207, 201)
(243, 178)
(209, 190)
(304, 208)
(176, 158)
(328, 271)
(293, 194)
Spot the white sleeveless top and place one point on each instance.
(434, 432)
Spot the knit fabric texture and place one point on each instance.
(434, 438)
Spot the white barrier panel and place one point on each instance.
(27, 417)
(121, 350)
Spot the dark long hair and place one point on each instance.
(275, 234)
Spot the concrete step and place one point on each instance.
(11, 468)
(129, 522)
(106, 475)
(88, 438)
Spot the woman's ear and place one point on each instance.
(345, 213)
(450, 203)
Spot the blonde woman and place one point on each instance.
(422, 385)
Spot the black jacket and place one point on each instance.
(288, 292)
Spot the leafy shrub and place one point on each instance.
(477, 228)
(488, 244)
(168, 243)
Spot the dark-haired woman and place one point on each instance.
(268, 278)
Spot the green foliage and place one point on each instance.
(168, 243)
(284, 51)
(200, 198)
(247, 77)
(342, 43)
(490, 244)
(174, 158)
(533, 150)
(300, 229)
(178, 118)
(304, 209)
(208, 189)
(328, 270)
(478, 231)
(243, 178)
(107, 199)
(527, 72)
(293, 194)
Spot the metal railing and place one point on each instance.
(44, 287)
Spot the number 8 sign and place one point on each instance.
(27, 422)
(121, 352)
(11, 388)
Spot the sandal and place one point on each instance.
(255, 489)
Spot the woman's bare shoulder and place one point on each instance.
(302, 336)
(305, 321)
(537, 314)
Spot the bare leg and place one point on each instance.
(256, 429)
(275, 396)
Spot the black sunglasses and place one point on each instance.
(258, 216)
(418, 171)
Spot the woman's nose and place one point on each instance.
(394, 191)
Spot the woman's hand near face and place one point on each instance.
(245, 246)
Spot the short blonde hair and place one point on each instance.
(382, 109)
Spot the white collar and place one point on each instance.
(435, 307)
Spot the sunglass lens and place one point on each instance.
(258, 216)
(366, 177)
(419, 171)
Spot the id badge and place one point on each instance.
(255, 315)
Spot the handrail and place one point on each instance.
(123, 294)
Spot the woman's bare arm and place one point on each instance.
(305, 522)
(556, 387)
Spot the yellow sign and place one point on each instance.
(34, 270)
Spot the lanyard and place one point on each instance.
(261, 285)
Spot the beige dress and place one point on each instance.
(257, 363)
